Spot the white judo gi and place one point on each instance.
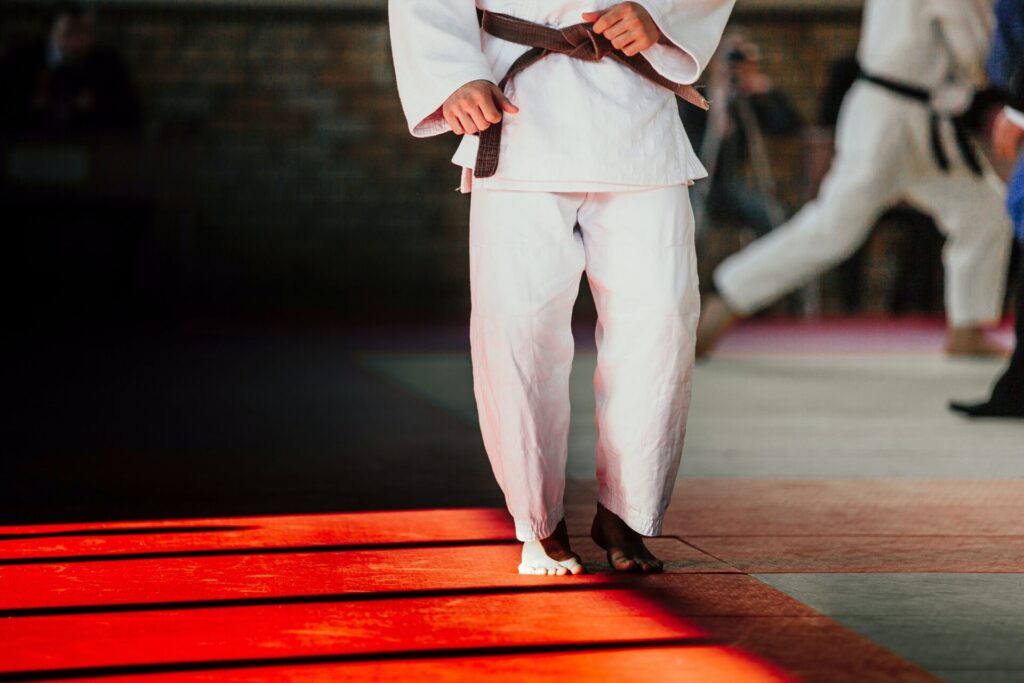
(593, 176)
(884, 155)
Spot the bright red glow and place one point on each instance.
(424, 595)
(262, 577)
(257, 532)
(710, 664)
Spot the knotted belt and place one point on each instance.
(578, 41)
(963, 140)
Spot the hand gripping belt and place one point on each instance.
(578, 41)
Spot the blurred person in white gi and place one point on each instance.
(901, 137)
(579, 162)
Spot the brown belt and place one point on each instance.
(578, 41)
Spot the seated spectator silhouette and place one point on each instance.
(67, 83)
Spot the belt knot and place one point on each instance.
(578, 41)
(585, 44)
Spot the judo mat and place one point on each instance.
(394, 596)
(832, 522)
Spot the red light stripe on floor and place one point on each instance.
(267, 576)
(462, 613)
(378, 628)
(702, 664)
(296, 531)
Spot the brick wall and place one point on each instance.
(305, 189)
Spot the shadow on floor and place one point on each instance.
(207, 422)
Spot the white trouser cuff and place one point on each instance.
(535, 530)
(960, 319)
(640, 522)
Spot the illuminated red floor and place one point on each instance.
(398, 596)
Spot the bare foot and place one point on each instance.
(971, 341)
(625, 547)
(715, 320)
(551, 556)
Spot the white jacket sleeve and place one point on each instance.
(694, 27)
(966, 27)
(436, 48)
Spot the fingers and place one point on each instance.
(473, 117)
(454, 123)
(487, 109)
(1007, 149)
(1005, 137)
(627, 26)
(609, 18)
(1012, 141)
(632, 42)
(467, 123)
(504, 102)
(634, 48)
(476, 107)
(622, 27)
(462, 122)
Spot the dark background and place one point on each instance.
(279, 171)
(187, 306)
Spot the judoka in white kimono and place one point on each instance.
(593, 177)
(884, 153)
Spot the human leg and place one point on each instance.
(971, 214)
(821, 234)
(876, 151)
(525, 267)
(642, 272)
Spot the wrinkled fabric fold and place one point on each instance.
(526, 260)
(560, 139)
(577, 41)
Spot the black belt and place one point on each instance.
(963, 140)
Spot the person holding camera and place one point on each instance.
(731, 138)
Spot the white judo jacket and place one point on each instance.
(937, 45)
(582, 126)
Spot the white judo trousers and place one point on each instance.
(527, 253)
(883, 155)
(593, 176)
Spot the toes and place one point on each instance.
(574, 566)
(560, 570)
(536, 561)
(649, 564)
(623, 563)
